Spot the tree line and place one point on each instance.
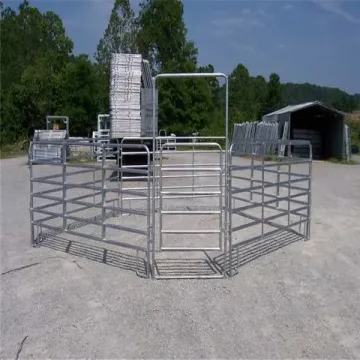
(41, 75)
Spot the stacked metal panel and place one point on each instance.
(248, 132)
(48, 152)
(125, 85)
(147, 102)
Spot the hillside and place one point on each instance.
(300, 93)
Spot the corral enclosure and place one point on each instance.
(185, 212)
(184, 216)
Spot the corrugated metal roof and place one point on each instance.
(293, 108)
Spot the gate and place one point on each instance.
(190, 209)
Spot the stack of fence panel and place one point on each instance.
(125, 85)
(47, 151)
(246, 133)
(147, 101)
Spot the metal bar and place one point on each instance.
(180, 248)
(267, 165)
(31, 202)
(126, 228)
(289, 192)
(103, 195)
(187, 277)
(190, 212)
(262, 201)
(165, 168)
(308, 224)
(194, 231)
(190, 193)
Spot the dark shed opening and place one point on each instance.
(321, 125)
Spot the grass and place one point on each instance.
(342, 161)
(17, 149)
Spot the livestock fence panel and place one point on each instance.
(269, 199)
(77, 198)
(245, 133)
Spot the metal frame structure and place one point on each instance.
(195, 170)
(248, 192)
(64, 119)
(79, 199)
(102, 134)
(66, 211)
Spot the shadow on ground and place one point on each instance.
(256, 247)
(242, 254)
(96, 253)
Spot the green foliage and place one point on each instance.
(40, 75)
(339, 99)
(354, 126)
(121, 34)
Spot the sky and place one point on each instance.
(316, 41)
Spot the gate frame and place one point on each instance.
(225, 223)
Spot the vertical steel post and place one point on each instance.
(32, 230)
(103, 192)
(229, 209)
(262, 193)
(278, 181)
(252, 175)
(227, 148)
(148, 219)
(63, 149)
(289, 190)
(153, 202)
(160, 199)
(222, 232)
(193, 164)
(308, 223)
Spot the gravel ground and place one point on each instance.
(301, 301)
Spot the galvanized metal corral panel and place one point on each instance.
(254, 130)
(147, 112)
(146, 75)
(47, 152)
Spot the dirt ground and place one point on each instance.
(295, 300)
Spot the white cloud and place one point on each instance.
(247, 19)
(336, 7)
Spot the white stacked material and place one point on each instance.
(125, 85)
(47, 151)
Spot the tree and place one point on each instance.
(34, 49)
(259, 91)
(274, 98)
(162, 37)
(300, 93)
(121, 33)
(184, 104)
(78, 89)
(241, 95)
